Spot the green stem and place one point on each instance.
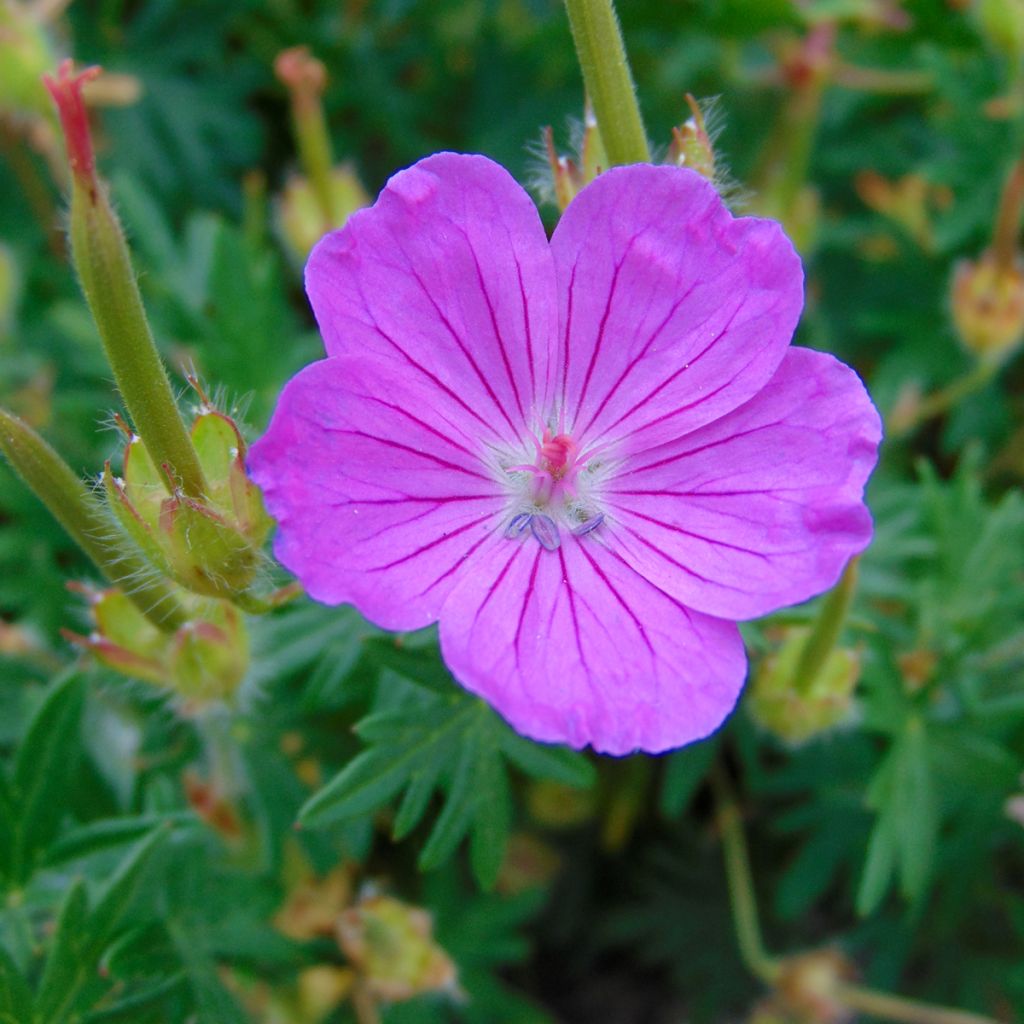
(945, 399)
(770, 969)
(826, 629)
(1007, 226)
(101, 258)
(908, 1011)
(71, 503)
(741, 884)
(608, 81)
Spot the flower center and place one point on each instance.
(555, 493)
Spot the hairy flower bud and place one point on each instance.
(988, 306)
(570, 175)
(691, 144)
(211, 545)
(392, 946)
(100, 254)
(809, 986)
(795, 714)
(203, 660)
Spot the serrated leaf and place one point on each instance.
(546, 761)
(492, 822)
(455, 819)
(414, 803)
(377, 774)
(108, 832)
(42, 768)
(904, 836)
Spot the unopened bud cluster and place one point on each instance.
(692, 146)
(179, 532)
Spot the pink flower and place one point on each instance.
(587, 459)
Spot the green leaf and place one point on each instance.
(43, 768)
(451, 743)
(129, 1009)
(905, 833)
(15, 996)
(7, 824)
(547, 761)
(684, 771)
(81, 935)
(405, 744)
(67, 968)
(108, 832)
(117, 895)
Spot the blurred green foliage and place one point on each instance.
(146, 852)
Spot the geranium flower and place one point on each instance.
(586, 459)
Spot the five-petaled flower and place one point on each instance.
(586, 459)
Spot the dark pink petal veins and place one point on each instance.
(762, 508)
(672, 311)
(380, 495)
(447, 277)
(576, 647)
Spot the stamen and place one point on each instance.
(544, 529)
(591, 524)
(517, 525)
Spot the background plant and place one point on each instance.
(149, 865)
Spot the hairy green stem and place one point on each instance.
(101, 258)
(72, 504)
(608, 81)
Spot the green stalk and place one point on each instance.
(826, 629)
(741, 883)
(608, 81)
(100, 255)
(101, 258)
(72, 504)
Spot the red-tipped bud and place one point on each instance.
(66, 90)
(301, 74)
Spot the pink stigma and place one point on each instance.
(557, 454)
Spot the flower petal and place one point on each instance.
(762, 508)
(672, 312)
(574, 646)
(447, 277)
(379, 496)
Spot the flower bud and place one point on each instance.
(211, 545)
(568, 175)
(323, 196)
(391, 944)
(691, 144)
(809, 986)
(796, 714)
(988, 306)
(1001, 22)
(25, 53)
(203, 660)
(300, 215)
